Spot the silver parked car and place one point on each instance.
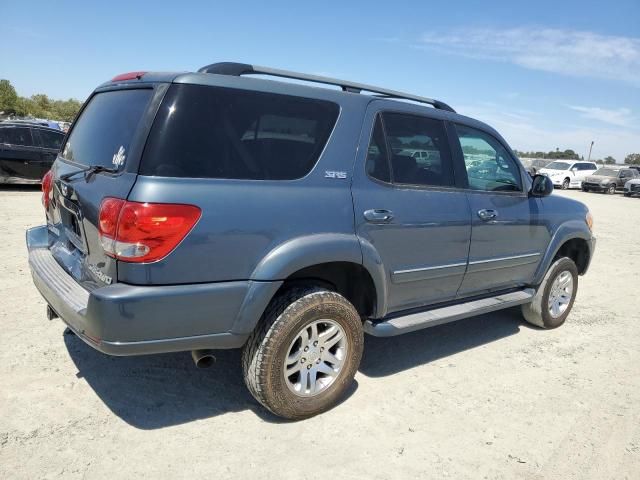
(632, 187)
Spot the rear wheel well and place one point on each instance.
(351, 280)
(577, 250)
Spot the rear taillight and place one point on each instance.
(143, 232)
(46, 189)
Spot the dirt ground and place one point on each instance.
(487, 397)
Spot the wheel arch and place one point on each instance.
(574, 240)
(336, 260)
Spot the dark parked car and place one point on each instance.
(27, 151)
(209, 210)
(608, 179)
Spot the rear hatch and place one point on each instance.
(99, 159)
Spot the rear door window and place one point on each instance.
(419, 150)
(410, 150)
(20, 136)
(214, 132)
(102, 134)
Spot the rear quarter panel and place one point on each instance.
(244, 220)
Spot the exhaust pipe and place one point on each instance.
(203, 358)
(51, 313)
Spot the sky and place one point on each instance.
(545, 74)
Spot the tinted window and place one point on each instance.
(17, 136)
(418, 149)
(489, 166)
(607, 172)
(377, 159)
(103, 133)
(558, 166)
(50, 139)
(217, 132)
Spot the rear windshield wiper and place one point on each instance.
(88, 171)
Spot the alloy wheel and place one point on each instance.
(560, 294)
(315, 357)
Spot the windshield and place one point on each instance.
(103, 133)
(606, 172)
(558, 166)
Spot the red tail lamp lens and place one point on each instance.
(47, 182)
(144, 232)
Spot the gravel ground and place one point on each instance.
(487, 397)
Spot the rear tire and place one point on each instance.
(306, 317)
(554, 299)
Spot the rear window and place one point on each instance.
(50, 139)
(213, 132)
(103, 133)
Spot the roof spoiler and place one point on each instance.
(238, 69)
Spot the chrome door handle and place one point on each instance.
(378, 215)
(487, 214)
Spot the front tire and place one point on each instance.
(302, 357)
(565, 184)
(554, 299)
(611, 189)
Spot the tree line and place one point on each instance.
(38, 106)
(631, 159)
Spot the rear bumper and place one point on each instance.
(124, 319)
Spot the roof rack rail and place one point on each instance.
(238, 69)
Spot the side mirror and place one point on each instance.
(542, 186)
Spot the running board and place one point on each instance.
(438, 316)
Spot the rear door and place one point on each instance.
(624, 176)
(110, 132)
(409, 208)
(20, 155)
(582, 171)
(508, 237)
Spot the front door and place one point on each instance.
(508, 236)
(408, 208)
